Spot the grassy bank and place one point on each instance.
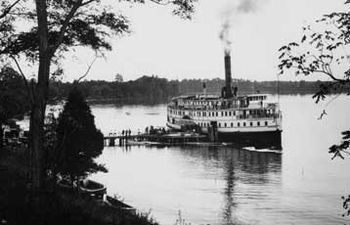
(18, 205)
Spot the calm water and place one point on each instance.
(217, 185)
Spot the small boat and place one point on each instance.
(152, 113)
(92, 188)
(65, 184)
(119, 204)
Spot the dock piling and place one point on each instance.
(165, 138)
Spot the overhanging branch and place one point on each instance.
(87, 2)
(65, 25)
(29, 91)
(87, 71)
(8, 9)
(160, 2)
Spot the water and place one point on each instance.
(221, 185)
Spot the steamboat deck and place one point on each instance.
(249, 120)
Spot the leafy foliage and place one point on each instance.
(343, 148)
(6, 21)
(13, 96)
(52, 28)
(90, 27)
(346, 205)
(318, 53)
(70, 23)
(182, 8)
(78, 140)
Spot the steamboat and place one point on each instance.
(246, 120)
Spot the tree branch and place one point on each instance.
(7, 11)
(324, 71)
(330, 75)
(30, 94)
(160, 2)
(87, 71)
(65, 25)
(31, 14)
(87, 2)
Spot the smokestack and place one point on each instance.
(228, 79)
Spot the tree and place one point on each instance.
(59, 26)
(78, 140)
(13, 98)
(118, 78)
(319, 52)
(322, 52)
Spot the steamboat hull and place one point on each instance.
(259, 140)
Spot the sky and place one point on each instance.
(165, 45)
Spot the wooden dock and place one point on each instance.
(142, 138)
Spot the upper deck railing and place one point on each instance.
(245, 105)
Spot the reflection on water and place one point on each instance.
(229, 190)
(222, 185)
(207, 184)
(242, 166)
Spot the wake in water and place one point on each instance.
(253, 149)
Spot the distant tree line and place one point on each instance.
(152, 89)
(13, 98)
(214, 86)
(147, 89)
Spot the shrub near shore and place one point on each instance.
(53, 206)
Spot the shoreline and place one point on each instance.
(52, 205)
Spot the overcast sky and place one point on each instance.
(164, 45)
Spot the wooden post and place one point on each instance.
(104, 142)
(216, 134)
(111, 142)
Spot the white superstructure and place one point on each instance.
(249, 113)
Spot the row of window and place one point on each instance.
(256, 98)
(218, 103)
(244, 124)
(208, 103)
(227, 113)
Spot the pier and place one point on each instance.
(145, 138)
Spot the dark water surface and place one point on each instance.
(222, 185)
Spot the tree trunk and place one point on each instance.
(40, 97)
(1, 136)
(36, 144)
(37, 122)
